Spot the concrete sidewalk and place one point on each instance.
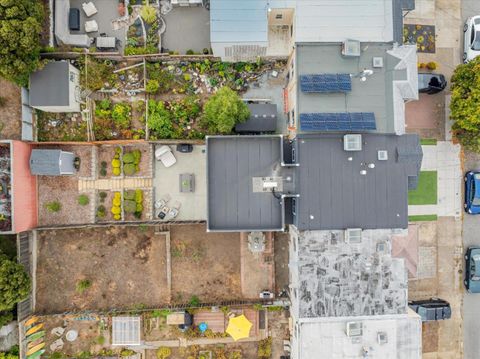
(445, 159)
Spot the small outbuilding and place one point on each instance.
(56, 88)
(126, 331)
(263, 119)
(51, 163)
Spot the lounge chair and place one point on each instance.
(165, 155)
(89, 9)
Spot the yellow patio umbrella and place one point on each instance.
(239, 327)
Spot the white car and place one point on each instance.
(471, 31)
(165, 155)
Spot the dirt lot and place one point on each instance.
(206, 265)
(65, 191)
(125, 266)
(11, 112)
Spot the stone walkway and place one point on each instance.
(114, 184)
(445, 159)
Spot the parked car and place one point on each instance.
(431, 309)
(431, 83)
(472, 192)
(165, 155)
(472, 270)
(185, 147)
(471, 42)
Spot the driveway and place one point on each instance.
(471, 228)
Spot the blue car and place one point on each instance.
(472, 192)
(472, 270)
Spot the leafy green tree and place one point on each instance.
(20, 27)
(223, 111)
(465, 104)
(14, 283)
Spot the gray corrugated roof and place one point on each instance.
(50, 85)
(333, 193)
(232, 162)
(263, 118)
(51, 162)
(238, 21)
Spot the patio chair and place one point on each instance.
(162, 201)
(91, 26)
(89, 9)
(173, 213)
(165, 155)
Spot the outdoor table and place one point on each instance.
(105, 42)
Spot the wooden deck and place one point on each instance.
(214, 320)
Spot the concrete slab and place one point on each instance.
(188, 28)
(193, 206)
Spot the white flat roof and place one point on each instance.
(126, 331)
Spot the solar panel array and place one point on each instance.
(326, 83)
(342, 121)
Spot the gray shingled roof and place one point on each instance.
(50, 85)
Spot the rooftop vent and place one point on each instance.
(382, 155)
(267, 184)
(353, 235)
(378, 62)
(354, 329)
(382, 338)
(351, 48)
(352, 142)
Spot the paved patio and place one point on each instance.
(107, 12)
(193, 206)
(188, 28)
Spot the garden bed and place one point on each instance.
(60, 127)
(58, 202)
(104, 206)
(106, 154)
(421, 35)
(134, 205)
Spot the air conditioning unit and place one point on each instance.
(354, 329)
(382, 155)
(378, 62)
(382, 338)
(353, 235)
(352, 142)
(351, 48)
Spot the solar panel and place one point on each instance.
(340, 121)
(326, 83)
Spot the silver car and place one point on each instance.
(471, 31)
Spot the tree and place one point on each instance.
(14, 283)
(20, 27)
(223, 111)
(465, 104)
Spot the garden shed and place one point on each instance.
(51, 162)
(126, 331)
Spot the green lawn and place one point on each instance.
(423, 218)
(426, 192)
(428, 141)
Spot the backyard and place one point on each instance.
(166, 104)
(426, 192)
(205, 265)
(100, 268)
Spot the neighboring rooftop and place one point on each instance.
(247, 177)
(382, 93)
(341, 277)
(386, 337)
(49, 86)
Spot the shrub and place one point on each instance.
(223, 111)
(116, 171)
(152, 86)
(128, 157)
(129, 206)
(3, 101)
(116, 163)
(160, 119)
(102, 196)
(14, 283)
(116, 210)
(100, 340)
(129, 169)
(432, 65)
(101, 211)
(164, 78)
(126, 352)
(130, 195)
(83, 200)
(194, 301)
(149, 14)
(54, 206)
(121, 114)
(205, 51)
(83, 285)
(190, 52)
(117, 217)
(265, 348)
(118, 150)
(163, 352)
(138, 196)
(105, 104)
(137, 155)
